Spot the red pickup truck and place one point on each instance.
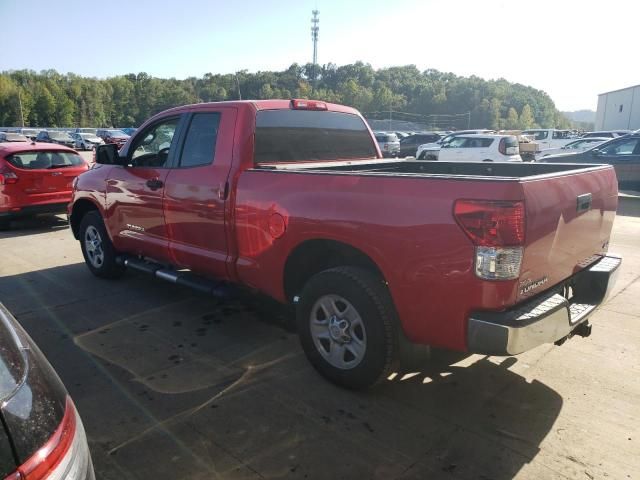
(293, 199)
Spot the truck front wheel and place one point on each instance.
(347, 326)
(97, 249)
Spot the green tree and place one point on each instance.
(526, 118)
(512, 121)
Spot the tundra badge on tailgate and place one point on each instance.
(527, 285)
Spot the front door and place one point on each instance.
(197, 190)
(135, 191)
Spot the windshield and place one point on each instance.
(44, 160)
(303, 135)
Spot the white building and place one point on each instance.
(619, 109)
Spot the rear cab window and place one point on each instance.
(44, 160)
(305, 135)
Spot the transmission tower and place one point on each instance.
(314, 36)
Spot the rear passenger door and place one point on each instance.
(196, 193)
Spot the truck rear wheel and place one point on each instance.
(97, 249)
(347, 326)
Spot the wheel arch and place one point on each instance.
(315, 255)
(80, 208)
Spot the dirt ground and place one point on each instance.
(173, 385)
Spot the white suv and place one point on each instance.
(481, 148)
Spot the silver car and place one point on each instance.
(389, 144)
(86, 141)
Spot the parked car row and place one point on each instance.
(79, 138)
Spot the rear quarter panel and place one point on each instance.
(405, 225)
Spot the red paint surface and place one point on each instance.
(35, 187)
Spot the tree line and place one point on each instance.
(52, 99)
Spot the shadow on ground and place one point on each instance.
(175, 385)
(629, 205)
(34, 225)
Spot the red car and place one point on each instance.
(112, 136)
(293, 199)
(36, 178)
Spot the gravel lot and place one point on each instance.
(171, 384)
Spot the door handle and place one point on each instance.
(154, 184)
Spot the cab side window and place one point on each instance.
(200, 143)
(151, 147)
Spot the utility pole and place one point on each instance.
(238, 83)
(315, 21)
(21, 112)
(468, 120)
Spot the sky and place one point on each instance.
(573, 50)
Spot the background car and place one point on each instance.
(54, 136)
(429, 151)
(86, 130)
(86, 141)
(112, 135)
(129, 130)
(409, 145)
(623, 153)
(30, 133)
(36, 179)
(12, 137)
(389, 144)
(579, 145)
(481, 148)
(606, 134)
(41, 433)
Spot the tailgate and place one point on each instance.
(568, 225)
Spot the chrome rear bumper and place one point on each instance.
(546, 319)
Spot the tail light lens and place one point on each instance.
(65, 455)
(497, 230)
(502, 147)
(8, 178)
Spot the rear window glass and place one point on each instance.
(302, 135)
(11, 362)
(43, 160)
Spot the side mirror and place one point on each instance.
(107, 154)
(595, 152)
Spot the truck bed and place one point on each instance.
(451, 170)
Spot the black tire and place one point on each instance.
(369, 296)
(5, 224)
(107, 268)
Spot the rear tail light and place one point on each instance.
(497, 230)
(505, 149)
(65, 455)
(502, 146)
(8, 178)
(299, 104)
